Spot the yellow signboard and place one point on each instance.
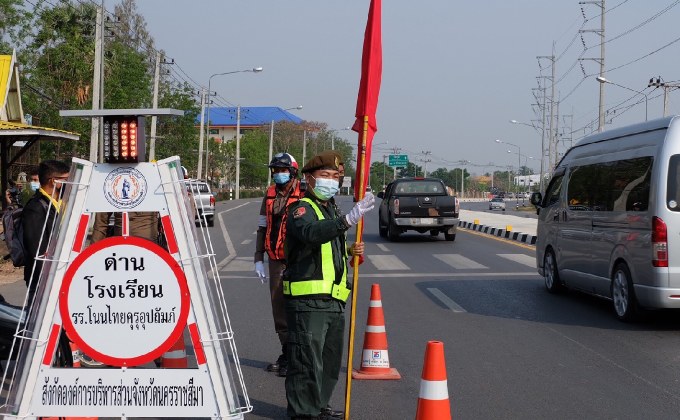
(6, 66)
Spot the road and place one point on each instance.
(512, 349)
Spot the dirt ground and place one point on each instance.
(8, 273)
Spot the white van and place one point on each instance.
(609, 223)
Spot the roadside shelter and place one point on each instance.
(18, 140)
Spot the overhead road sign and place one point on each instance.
(398, 161)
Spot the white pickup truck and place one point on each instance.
(204, 200)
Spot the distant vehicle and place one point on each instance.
(497, 203)
(369, 189)
(420, 204)
(609, 221)
(204, 201)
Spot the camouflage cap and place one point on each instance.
(324, 160)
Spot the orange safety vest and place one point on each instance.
(277, 252)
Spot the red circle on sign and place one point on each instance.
(177, 331)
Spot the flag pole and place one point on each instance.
(355, 283)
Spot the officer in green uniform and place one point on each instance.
(316, 288)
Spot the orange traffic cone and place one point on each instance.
(433, 402)
(176, 356)
(375, 363)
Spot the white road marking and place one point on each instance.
(246, 242)
(520, 258)
(447, 301)
(459, 262)
(231, 251)
(383, 247)
(239, 264)
(387, 262)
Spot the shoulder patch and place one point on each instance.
(299, 212)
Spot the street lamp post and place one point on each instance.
(519, 164)
(271, 143)
(603, 80)
(200, 147)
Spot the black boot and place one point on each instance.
(329, 413)
(276, 366)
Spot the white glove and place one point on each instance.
(364, 205)
(259, 270)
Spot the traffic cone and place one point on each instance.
(375, 363)
(176, 356)
(433, 402)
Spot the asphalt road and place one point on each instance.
(512, 350)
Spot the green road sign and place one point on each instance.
(398, 161)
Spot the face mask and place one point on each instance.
(325, 188)
(35, 186)
(281, 177)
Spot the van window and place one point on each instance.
(673, 188)
(552, 194)
(581, 189)
(625, 184)
(621, 185)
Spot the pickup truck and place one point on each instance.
(204, 201)
(420, 204)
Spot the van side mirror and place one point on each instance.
(536, 199)
(381, 195)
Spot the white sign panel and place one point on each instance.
(346, 182)
(125, 188)
(179, 393)
(124, 301)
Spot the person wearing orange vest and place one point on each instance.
(271, 233)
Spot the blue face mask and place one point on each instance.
(325, 188)
(281, 177)
(35, 186)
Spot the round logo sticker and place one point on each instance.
(125, 188)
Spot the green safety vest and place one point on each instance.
(326, 285)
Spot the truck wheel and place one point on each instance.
(450, 236)
(382, 231)
(434, 232)
(392, 232)
(211, 222)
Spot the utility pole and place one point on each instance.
(543, 106)
(238, 152)
(200, 136)
(556, 135)
(304, 146)
(666, 87)
(154, 118)
(97, 82)
(600, 118)
(426, 153)
(271, 151)
(156, 77)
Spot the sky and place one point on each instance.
(454, 72)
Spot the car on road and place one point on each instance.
(497, 203)
(204, 200)
(420, 204)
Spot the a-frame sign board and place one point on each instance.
(125, 301)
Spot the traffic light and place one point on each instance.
(124, 140)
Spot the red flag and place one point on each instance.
(369, 90)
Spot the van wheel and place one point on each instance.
(550, 274)
(623, 294)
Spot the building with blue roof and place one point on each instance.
(223, 119)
